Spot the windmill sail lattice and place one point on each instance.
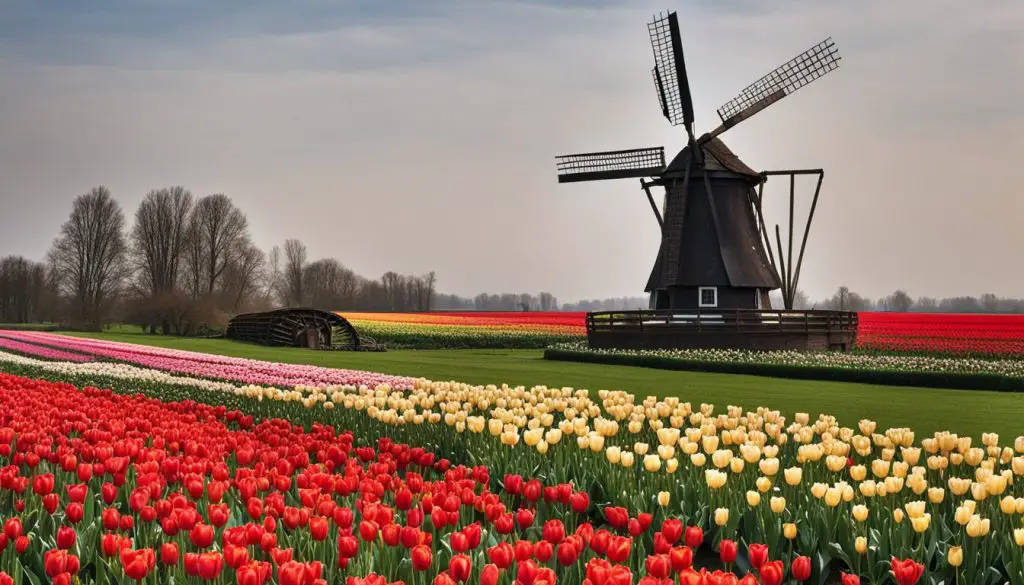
(784, 80)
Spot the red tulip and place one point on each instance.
(850, 579)
(65, 537)
(658, 566)
(13, 528)
(55, 562)
(6, 579)
(62, 579)
(460, 568)
(201, 536)
(524, 518)
(422, 557)
(43, 484)
(672, 529)
(368, 530)
(772, 572)
(579, 501)
(51, 502)
(758, 554)
(111, 519)
(801, 568)
(513, 484)
(21, 544)
(488, 576)
(618, 517)
(567, 553)
(169, 554)
(235, 556)
(543, 551)
(619, 548)
(318, 528)
(292, 573)
(137, 563)
(210, 565)
(218, 514)
(693, 537)
(348, 546)
(906, 571)
(553, 531)
(681, 558)
(253, 573)
(501, 555)
(727, 550)
(526, 572)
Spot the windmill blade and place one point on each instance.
(786, 79)
(612, 164)
(670, 70)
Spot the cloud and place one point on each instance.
(420, 136)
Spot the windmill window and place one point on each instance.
(707, 296)
(757, 299)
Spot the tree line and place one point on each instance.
(186, 264)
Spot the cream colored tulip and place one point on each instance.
(664, 498)
(721, 516)
(860, 512)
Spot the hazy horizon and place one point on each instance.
(414, 137)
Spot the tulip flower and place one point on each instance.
(906, 571)
(801, 568)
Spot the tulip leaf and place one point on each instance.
(30, 575)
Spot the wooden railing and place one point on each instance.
(733, 320)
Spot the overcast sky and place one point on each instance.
(412, 136)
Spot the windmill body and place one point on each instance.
(715, 264)
(711, 253)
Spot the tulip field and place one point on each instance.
(453, 330)
(123, 463)
(918, 333)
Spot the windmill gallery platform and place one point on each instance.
(710, 283)
(726, 329)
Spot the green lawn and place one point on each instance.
(923, 410)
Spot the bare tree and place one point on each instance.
(158, 240)
(89, 256)
(899, 302)
(23, 290)
(243, 275)
(219, 226)
(294, 264)
(272, 278)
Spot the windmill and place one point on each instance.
(715, 251)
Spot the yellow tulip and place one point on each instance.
(915, 509)
(833, 497)
(721, 516)
(860, 512)
(626, 459)
(898, 515)
(789, 530)
(715, 479)
(763, 484)
(955, 556)
(753, 498)
(778, 504)
(861, 545)
(663, 499)
(920, 524)
(936, 495)
(1008, 505)
(672, 465)
(698, 459)
(793, 475)
(652, 463)
(1018, 536)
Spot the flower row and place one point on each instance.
(190, 363)
(97, 487)
(1010, 368)
(744, 475)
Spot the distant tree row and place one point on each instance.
(900, 301)
(187, 264)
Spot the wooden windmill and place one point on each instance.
(715, 251)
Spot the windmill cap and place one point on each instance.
(717, 157)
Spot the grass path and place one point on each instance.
(922, 409)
